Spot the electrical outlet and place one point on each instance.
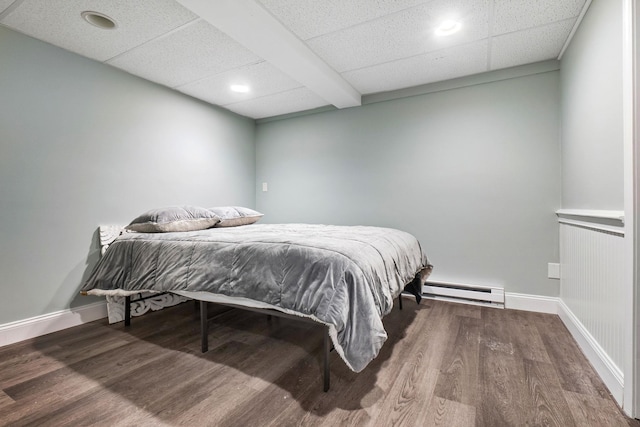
(264, 186)
(553, 270)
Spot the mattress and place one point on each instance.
(345, 277)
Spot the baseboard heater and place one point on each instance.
(462, 293)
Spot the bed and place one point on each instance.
(343, 277)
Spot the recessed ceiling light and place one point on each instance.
(448, 27)
(99, 20)
(240, 88)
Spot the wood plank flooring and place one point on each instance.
(444, 364)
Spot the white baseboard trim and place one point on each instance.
(611, 375)
(537, 303)
(52, 322)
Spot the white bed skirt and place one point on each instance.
(115, 305)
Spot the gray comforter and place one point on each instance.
(343, 277)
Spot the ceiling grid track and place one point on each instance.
(154, 39)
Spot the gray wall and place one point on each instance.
(473, 172)
(591, 83)
(83, 144)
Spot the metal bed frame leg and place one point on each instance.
(204, 337)
(327, 350)
(204, 327)
(127, 310)
(400, 300)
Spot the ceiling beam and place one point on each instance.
(256, 29)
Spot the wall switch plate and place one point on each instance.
(264, 186)
(553, 270)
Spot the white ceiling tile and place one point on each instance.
(311, 18)
(516, 48)
(514, 15)
(403, 34)
(377, 45)
(418, 70)
(291, 101)
(254, 27)
(263, 79)
(194, 51)
(59, 22)
(4, 4)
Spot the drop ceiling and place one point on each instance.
(298, 55)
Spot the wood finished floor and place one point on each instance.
(444, 364)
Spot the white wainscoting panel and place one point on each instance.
(592, 292)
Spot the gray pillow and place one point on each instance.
(232, 216)
(174, 218)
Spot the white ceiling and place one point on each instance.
(298, 55)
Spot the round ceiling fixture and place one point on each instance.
(99, 20)
(448, 27)
(239, 88)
